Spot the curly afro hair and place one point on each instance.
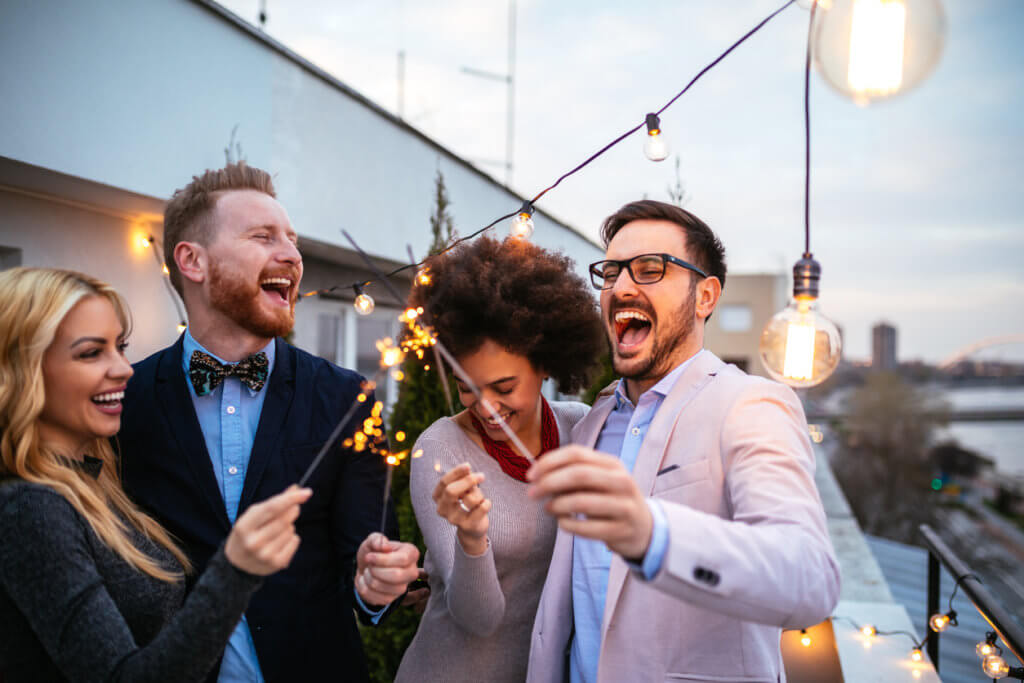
(524, 298)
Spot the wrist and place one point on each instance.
(474, 546)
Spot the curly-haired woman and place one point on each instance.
(91, 587)
(512, 314)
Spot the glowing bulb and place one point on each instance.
(799, 345)
(390, 355)
(655, 146)
(143, 242)
(182, 327)
(805, 639)
(392, 460)
(939, 622)
(423, 276)
(869, 631)
(995, 666)
(164, 269)
(399, 436)
(522, 224)
(985, 648)
(872, 49)
(363, 304)
(916, 655)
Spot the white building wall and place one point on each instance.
(142, 95)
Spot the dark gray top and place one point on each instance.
(71, 609)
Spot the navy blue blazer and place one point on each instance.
(302, 618)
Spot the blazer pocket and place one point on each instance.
(683, 475)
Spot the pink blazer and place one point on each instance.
(729, 458)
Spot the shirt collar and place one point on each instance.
(662, 388)
(189, 344)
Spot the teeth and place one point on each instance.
(277, 281)
(622, 316)
(107, 398)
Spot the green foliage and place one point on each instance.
(420, 403)
(604, 376)
(882, 461)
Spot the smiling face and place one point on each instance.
(84, 376)
(651, 327)
(510, 383)
(253, 264)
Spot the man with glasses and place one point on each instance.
(690, 528)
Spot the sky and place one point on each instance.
(916, 202)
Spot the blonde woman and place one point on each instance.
(91, 588)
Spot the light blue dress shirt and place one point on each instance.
(622, 435)
(229, 416)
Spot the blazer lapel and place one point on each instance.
(589, 428)
(652, 453)
(176, 403)
(280, 392)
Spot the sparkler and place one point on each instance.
(422, 333)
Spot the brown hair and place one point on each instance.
(36, 300)
(524, 298)
(187, 215)
(706, 250)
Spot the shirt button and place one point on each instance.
(231, 410)
(636, 431)
(232, 470)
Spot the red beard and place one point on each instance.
(238, 299)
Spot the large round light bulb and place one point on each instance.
(799, 345)
(364, 304)
(985, 648)
(873, 49)
(522, 226)
(995, 666)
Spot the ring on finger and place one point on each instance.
(463, 506)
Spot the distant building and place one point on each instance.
(747, 303)
(883, 347)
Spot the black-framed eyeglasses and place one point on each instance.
(645, 269)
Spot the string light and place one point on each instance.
(423, 276)
(144, 242)
(874, 49)
(940, 622)
(869, 631)
(522, 224)
(805, 639)
(995, 667)
(164, 269)
(655, 146)
(916, 655)
(988, 646)
(182, 326)
(800, 346)
(363, 302)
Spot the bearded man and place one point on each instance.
(690, 529)
(231, 414)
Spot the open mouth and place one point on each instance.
(279, 288)
(109, 402)
(495, 422)
(631, 327)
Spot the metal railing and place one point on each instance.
(1002, 623)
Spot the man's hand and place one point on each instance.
(592, 495)
(384, 569)
(417, 597)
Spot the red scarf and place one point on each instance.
(512, 463)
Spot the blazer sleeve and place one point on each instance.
(472, 592)
(47, 568)
(772, 562)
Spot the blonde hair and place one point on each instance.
(35, 302)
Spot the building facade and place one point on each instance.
(883, 347)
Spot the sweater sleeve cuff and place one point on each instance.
(223, 569)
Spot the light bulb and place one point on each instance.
(522, 224)
(423, 276)
(985, 648)
(939, 622)
(805, 639)
(916, 655)
(655, 146)
(164, 269)
(995, 666)
(143, 242)
(873, 49)
(869, 631)
(800, 346)
(182, 327)
(363, 304)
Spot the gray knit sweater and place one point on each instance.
(70, 609)
(480, 614)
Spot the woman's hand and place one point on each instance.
(263, 539)
(460, 501)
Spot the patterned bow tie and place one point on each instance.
(207, 372)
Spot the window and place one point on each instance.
(735, 318)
